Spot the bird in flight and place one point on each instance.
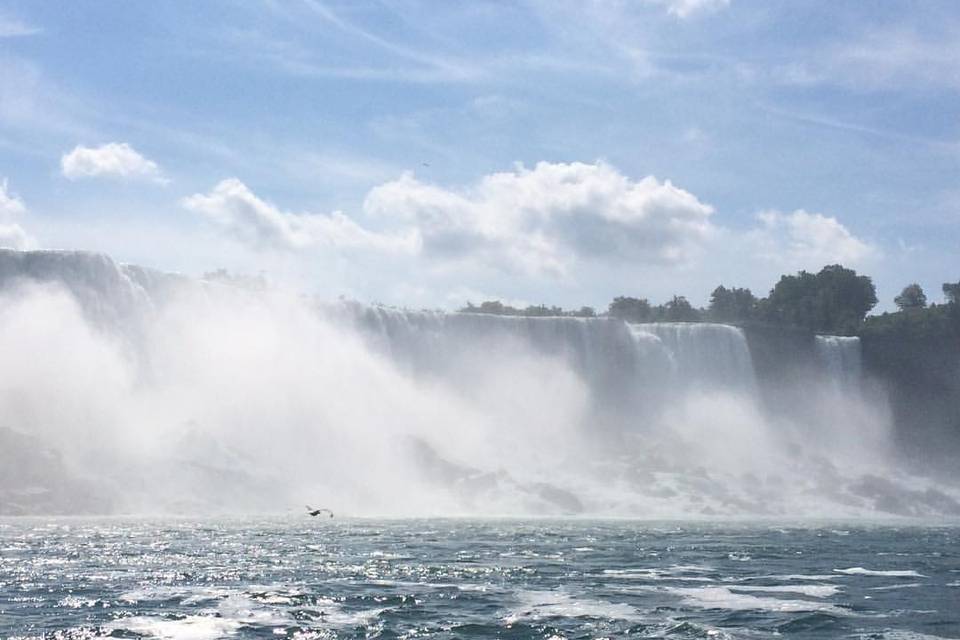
(316, 512)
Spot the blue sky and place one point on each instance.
(426, 153)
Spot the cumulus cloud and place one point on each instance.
(807, 240)
(574, 222)
(544, 220)
(10, 205)
(238, 211)
(114, 159)
(12, 235)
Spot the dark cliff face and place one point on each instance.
(921, 375)
(918, 376)
(784, 360)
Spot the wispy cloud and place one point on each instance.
(12, 27)
(31, 102)
(295, 51)
(448, 65)
(950, 146)
(883, 58)
(684, 9)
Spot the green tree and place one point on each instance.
(630, 309)
(835, 300)
(732, 305)
(494, 307)
(951, 291)
(912, 297)
(541, 311)
(678, 309)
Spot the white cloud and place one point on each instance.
(239, 212)
(802, 240)
(10, 205)
(114, 159)
(882, 58)
(901, 57)
(688, 8)
(11, 27)
(544, 220)
(12, 235)
(540, 221)
(588, 226)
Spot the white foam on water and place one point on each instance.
(460, 586)
(895, 634)
(724, 598)
(691, 568)
(200, 627)
(796, 576)
(633, 572)
(334, 615)
(274, 595)
(637, 574)
(892, 587)
(860, 571)
(73, 602)
(540, 605)
(670, 573)
(232, 613)
(189, 595)
(812, 590)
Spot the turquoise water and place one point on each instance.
(310, 578)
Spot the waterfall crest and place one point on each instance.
(841, 359)
(704, 354)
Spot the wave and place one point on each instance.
(894, 573)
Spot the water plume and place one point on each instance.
(127, 390)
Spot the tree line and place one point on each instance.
(834, 300)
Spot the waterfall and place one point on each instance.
(426, 339)
(181, 394)
(704, 355)
(839, 356)
(630, 365)
(109, 293)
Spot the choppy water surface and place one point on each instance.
(301, 578)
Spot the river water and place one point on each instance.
(296, 577)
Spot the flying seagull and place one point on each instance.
(316, 512)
